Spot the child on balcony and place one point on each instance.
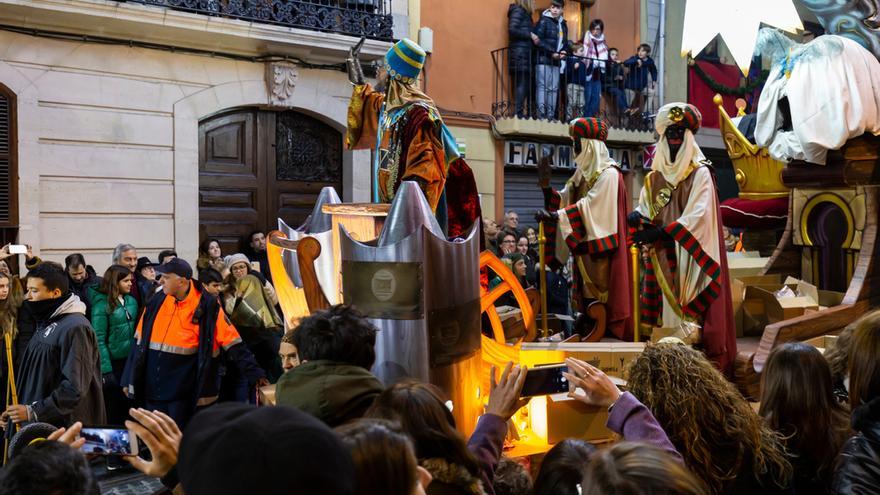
(576, 77)
(639, 66)
(613, 83)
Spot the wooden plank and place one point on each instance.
(358, 209)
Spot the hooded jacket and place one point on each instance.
(858, 470)
(331, 391)
(60, 375)
(519, 32)
(547, 31)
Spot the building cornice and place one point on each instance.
(166, 26)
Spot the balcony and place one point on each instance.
(318, 31)
(523, 105)
(370, 18)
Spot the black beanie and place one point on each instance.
(234, 448)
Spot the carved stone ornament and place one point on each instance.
(281, 80)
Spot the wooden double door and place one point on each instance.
(256, 166)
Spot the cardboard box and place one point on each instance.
(610, 357)
(763, 307)
(557, 417)
(823, 342)
(746, 265)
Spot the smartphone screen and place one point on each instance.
(17, 249)
(545, 380)
(108, 440)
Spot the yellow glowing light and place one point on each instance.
(737, 22)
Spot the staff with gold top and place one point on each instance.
(587, 219)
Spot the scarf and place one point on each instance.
(594, 157)
(254, 310)
(676, 171)
(597, 49)
(400, 94)
(44, 309)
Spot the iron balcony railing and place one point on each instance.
(531, 88)
(370, 18)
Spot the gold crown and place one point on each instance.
(758, 175)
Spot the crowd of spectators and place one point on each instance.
(555, 77)
(179, 362)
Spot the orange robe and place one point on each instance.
(411, 147)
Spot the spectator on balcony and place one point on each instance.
(576, 77)
(519, 32)
(613, 83)
(551, 36)
(597, 52)
(640, 66)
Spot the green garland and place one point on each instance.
(726, 90)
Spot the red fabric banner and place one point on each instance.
(700, 94)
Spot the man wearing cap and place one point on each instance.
(173, 366)
(678, 224)
(588, 219)
(411, 142)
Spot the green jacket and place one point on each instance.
(332, 392)
(115, 330)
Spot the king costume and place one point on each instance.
(686, 275)
(591, 225)
(411, 142)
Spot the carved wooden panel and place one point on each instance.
(307, 149)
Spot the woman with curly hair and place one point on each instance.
(718, 434)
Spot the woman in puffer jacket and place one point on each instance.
(114, 318)
(858, 469)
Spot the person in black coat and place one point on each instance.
(520, 44)
(858, 467)
(551, 53)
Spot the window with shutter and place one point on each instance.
(8, 154)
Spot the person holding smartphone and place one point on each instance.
(627, 416)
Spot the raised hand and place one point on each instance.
(161, 435)
(504, 399)
(355, 71)
(598, 389)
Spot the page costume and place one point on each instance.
(686, 276)
(591, 211)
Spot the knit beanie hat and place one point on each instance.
(235, 258)
(234, 448)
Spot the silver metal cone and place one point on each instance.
(319, 221)
(318, 225)
(409, 212)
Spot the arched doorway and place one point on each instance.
(256, 166)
